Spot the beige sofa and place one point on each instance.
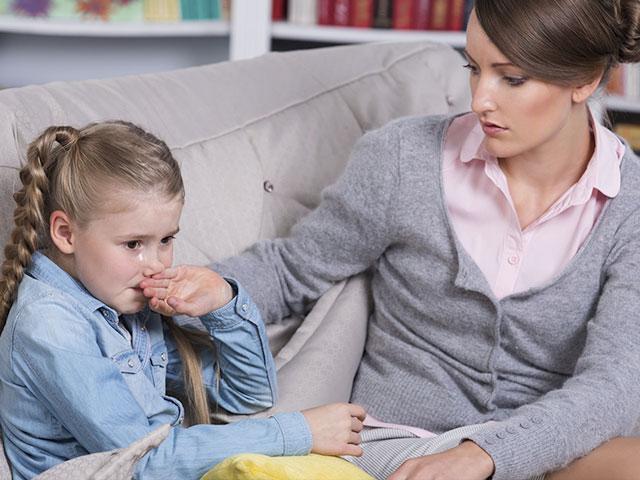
(257, 141)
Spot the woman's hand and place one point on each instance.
(186, 290)
(467, 461)
(336, 428)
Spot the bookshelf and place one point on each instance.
(331, 34)
(46, 27)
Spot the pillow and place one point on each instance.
(252, 466)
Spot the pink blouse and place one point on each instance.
(484, 218)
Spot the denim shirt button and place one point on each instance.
(163, 357)
(244, 307)
(130, 363)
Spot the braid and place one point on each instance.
(29, 214)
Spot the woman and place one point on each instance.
(505, 246)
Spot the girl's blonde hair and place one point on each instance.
(70, 170)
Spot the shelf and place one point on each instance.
(82, 28)
(616, 102)
(330, 34)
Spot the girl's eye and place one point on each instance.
(515, 81)
(471, 68)
(133, 244)
(167, 240)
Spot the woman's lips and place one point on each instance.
(492, 129)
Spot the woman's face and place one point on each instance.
(519, 115)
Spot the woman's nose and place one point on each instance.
(483, 97)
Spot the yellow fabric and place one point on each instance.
(251, 466)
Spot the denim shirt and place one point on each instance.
(74, 381)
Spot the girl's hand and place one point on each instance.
(336, 428)
(467, 461)
(186, 290)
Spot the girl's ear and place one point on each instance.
(62, 230)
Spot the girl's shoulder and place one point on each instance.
(45, 314)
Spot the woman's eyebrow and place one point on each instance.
(494, 65)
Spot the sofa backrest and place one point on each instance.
(257, 140)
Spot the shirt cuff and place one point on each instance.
(295, 431)
(238, 309)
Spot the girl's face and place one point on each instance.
(116, 250)
(518, 114)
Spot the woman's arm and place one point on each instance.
(344, 235)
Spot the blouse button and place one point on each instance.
(513, 259)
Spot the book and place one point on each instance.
(277, 10)
(455, 19)
(303, 12)
(382, 14)
(361, 13)
(326, 12)
(161, 10)
(402, 14)
(420, 14)
(342, 13)
(438, 14)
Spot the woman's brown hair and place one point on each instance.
(564, 42)
(71, 170)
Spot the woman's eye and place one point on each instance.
(471, 68)
(515, 81)
(167, 240)
(133, 244)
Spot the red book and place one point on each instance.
(402, 14)
(438, 14)
(362, 13)
(277, 10)
(342, 13)
(326, 11)
(421, 14)
(456, 15)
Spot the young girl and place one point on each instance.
(505, 248)
(85, 355)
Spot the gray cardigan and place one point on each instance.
(557, 367)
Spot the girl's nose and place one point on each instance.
(151, 263)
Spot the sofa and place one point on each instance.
(257, 141)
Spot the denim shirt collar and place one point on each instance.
(46, 270)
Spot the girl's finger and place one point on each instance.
(171, 272)
(155, 283)
(180, 306)
(160, 307)
(356, 425)
(160, 293)
(357, 411)
(352, 450)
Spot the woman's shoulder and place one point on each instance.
(433, 124)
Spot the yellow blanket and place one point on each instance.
(251, 466)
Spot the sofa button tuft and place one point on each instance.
(268, 186)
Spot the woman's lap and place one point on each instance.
(385, 449)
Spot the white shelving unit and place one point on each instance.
(616, 102)
(78, 28)
(315, 33)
